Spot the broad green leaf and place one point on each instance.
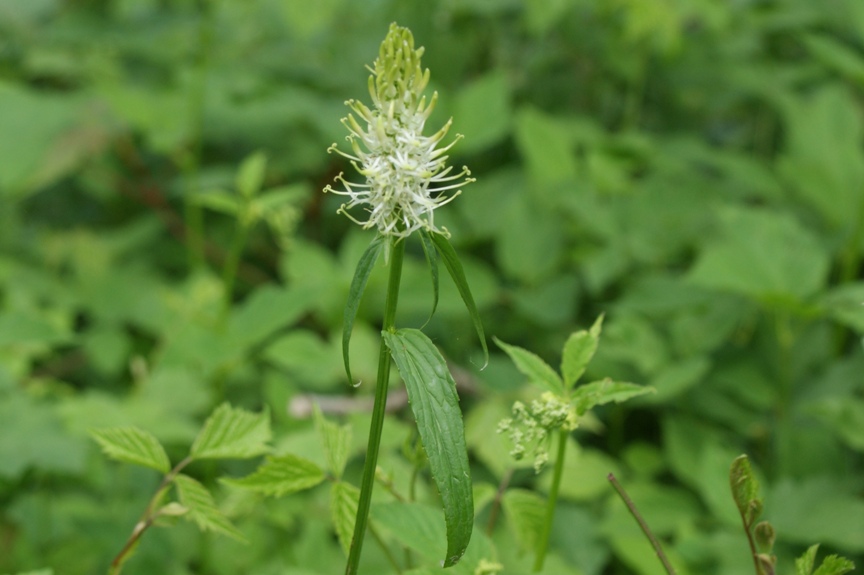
(336, 440)
(546, 147)
(579, 348)
(590, 395)
(537, 370)
(526, 513)
(344, 499)
(745, 490)
(233, 433)
(202, 508)
(454, 267)
(355, 293)
(280, 475)
(132, 445)
(432, 260)
(762, 254)
(433, 398)
(414, 525)
(835, 565)
(804, 564)
(482, 112)
(250, 176)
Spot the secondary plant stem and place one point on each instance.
(638, 517)
(147, 518)
(378, 410)
(543, 543)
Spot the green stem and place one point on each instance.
(147, 519)
(378, 410)
(543, 543)
(232, 262)
(645, 529)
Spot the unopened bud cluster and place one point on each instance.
(531, 426)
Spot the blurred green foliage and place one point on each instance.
(692, 169)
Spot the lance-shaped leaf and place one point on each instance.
(432, 260)
(804, 564)
(336, 440)
(454, 268)
(132, 445)
(745, 490)
(579, 348)
(432, 393)
(232, 433)
(202, 508)
(280, 475)
(344, 499)
(537, 370)
(590, 395)
(355, 294)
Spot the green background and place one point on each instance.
(691, 168)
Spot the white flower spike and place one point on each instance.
(407, 176)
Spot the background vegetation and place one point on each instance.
(692, 168)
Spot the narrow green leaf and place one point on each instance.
(344, 499)
(605, 391)
(132, 445)
(336, 440)
(745, 490)
(835, 565)
(433, 398)
(280, 475)
(454, 267)
(804, 564)
(432, 260)
(218, 201)
(579, 348)
(537, 370)
(232, 433)
(202, 508)
(355, 293)
(250, 176)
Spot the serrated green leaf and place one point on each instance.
(280, 475)
(433, 399)
(590, 395)
(336, 440)
(250, 176)
(526, 513)
(233, 433)
(537, 370)
(804, 564)
(202, 508)
(745, 490)
(454, 268)
(579, 348)
(432, 260)
(764, 536)
(132, 445)
(835, 565)
(355, 294)
(344, 499)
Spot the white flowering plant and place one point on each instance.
(405, 179)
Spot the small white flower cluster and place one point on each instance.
(405, 172)
(531, 427)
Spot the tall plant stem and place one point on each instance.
(368, 482)
(232, 262)
(645, 529)
(543, 543)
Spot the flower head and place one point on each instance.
(406, 174)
